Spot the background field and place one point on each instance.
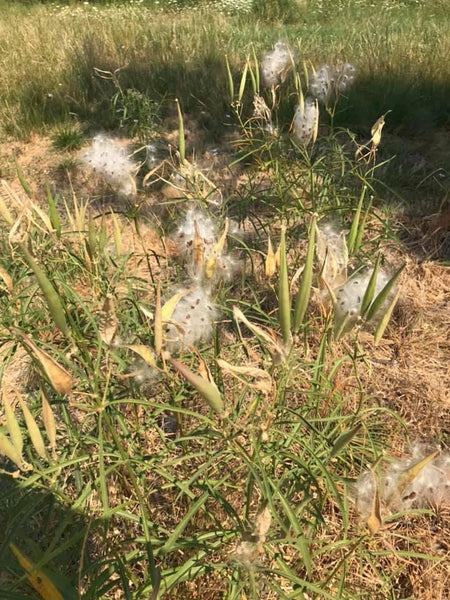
(147, 486)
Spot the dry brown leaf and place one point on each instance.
(60, 379)
(108, 321)
(33, 430)
(374, 520)
(262, 380)
(7, 280)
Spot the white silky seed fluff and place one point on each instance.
(110, 160)
(275, 65)
(304, 122)
(193, 321)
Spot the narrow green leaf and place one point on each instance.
(243, 82)
(361, 228)
(207, 389)
(355, 223)
(54, 303)
(21, 177)
(284, 301)
(33, 430)
(181, 140)
(370, 290)
(53, 213)
(385, 320)
(304, 292)
(382, 296)
(256, 63)
(344, 439)
(13, 426)
(230, 80)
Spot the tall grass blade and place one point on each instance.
(230, 80)
(53, 213)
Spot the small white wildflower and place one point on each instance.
(110, 160)
(305, 122)
(275, 65)
(192, 321)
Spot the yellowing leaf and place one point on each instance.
(170, 305)
(49, 421)
(8, 450)
(7, 280)
(374, 521)
(216, 252)
(60, 379)
(146, 353)
(13, 426)
(108, 320)
(33, 430)
(408, 476)
(37, 578)
(270, 260)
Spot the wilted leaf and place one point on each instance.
(49, 421)
(7, 280)
(108, 320)
(263, 381)
(10, 451)
(146, 353)
(374, 521)
(37, 578)
(59, 378)
(216, 252)
(33, 430)
(13, 426)
(170, 305)
(408, 476)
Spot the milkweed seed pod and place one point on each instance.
(276, 65)
(196, 238)
(320, 84)
(344, 77)
(191, 322)
(350, 296)
(332, 255)
(305, 122)
(109, 159)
